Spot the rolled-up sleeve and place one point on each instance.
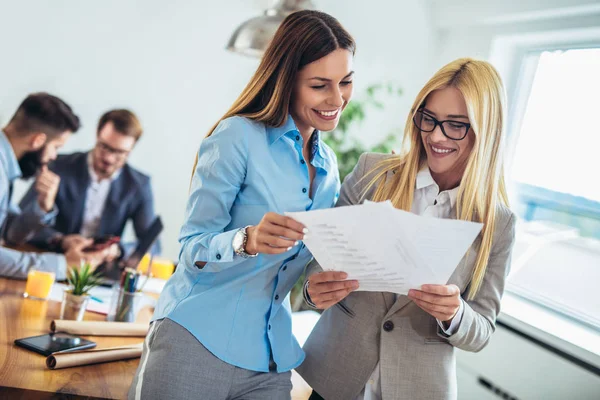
(218, 176)
(23, 224)
(16, 264)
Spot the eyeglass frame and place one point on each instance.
(437, 123)
(111, 150)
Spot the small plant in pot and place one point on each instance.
(76, 298)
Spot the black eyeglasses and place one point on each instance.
(111, 150)
(454, 130)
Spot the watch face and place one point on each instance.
(238, 241)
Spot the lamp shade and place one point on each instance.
(253, 36)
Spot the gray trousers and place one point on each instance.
(175, 365)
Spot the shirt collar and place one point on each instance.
(425, 180)
(276, 133)
(93, 174)
(8, 158)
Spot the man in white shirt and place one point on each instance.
(99, 192)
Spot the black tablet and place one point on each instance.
(53, 342)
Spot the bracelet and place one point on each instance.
(306, 296)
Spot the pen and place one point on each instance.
(97, 299)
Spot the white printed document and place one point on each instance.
(386, 249)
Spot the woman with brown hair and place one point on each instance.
(222, 327)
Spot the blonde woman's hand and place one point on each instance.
(274, 234)
(328, 288)
(440, 301)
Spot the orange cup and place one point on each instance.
(162, 268)
(144, 263)
(39, 284)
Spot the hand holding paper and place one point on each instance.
(385, 249)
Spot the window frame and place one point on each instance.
(517, 57)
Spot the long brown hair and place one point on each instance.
(302, 38)
(482, 187)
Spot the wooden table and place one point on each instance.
(23, 373)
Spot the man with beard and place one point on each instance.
(40, 126)
(99, 191)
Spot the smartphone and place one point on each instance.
(102, 243)
(53, 342)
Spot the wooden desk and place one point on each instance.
(23, 374)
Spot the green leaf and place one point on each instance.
(83, 279)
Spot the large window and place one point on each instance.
(559, 140)
(555, 173)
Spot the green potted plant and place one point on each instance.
(75, 299)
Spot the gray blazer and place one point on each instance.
(416, 359)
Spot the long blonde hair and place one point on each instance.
(303, 37)
(482, 186)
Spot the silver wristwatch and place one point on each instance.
(239, 243)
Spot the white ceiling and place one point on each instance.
(453, 13)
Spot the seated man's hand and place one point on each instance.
(76, 256)
(46, 185)
(74, 240)
(114, 252)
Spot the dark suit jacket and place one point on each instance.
(130, 197)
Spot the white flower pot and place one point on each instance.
(73, 306)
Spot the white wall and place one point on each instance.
(395, 43)
(469, 27)
(166, 61)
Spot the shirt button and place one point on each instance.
(302, 162)
(297, 137)
(269, 326)
(284, 267)
(218, 256)
(276, 297)
(303, 190)
(388, 326)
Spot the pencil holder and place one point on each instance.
(125, 306)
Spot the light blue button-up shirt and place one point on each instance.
(17, 226)
(239, 308)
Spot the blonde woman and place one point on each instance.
(375, 345)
